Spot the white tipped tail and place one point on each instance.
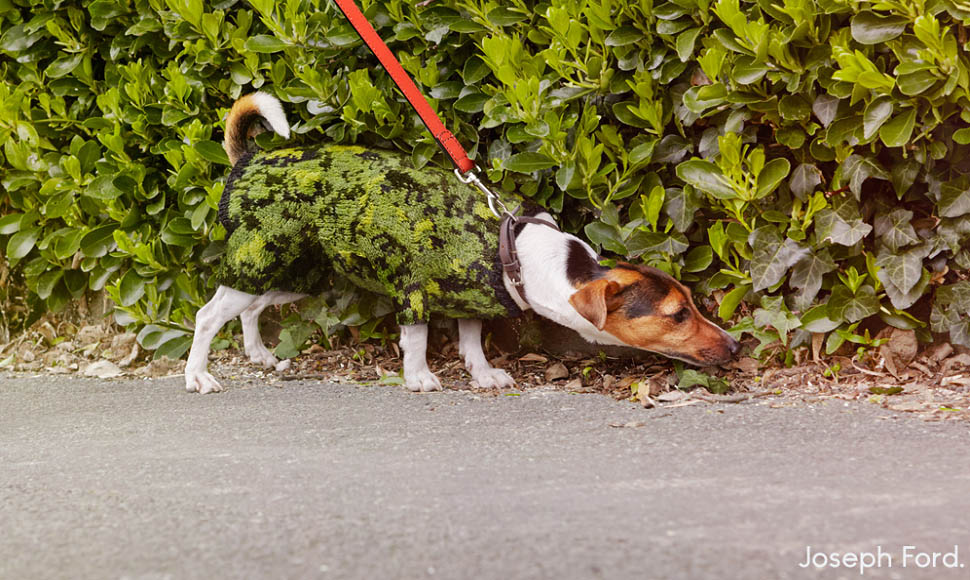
(242, 121)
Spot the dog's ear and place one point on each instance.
(594, 301)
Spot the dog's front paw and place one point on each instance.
(422, 381)
(492, 378)
(202, 383)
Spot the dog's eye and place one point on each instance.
(681, 315)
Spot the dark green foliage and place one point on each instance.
(783, 153)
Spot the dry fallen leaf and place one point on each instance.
(938, 352)
(574, 385)
(903, 345)
(746, 365)
(556, 371)
(102, 369)
(958, 380)
(958, 361)
(608, 381)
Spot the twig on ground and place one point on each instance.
(306, 377)
(735, 398)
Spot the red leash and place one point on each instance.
(464, 168)
(448, 142)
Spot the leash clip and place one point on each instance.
(472, 177)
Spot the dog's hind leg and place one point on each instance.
(252, 341)
(470, 348)
(224, 306)
(414, 346)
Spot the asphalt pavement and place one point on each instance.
(138, 479)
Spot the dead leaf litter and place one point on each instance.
(933, 382)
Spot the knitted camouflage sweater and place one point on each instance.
(422, 238)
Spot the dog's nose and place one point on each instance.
(734, 346)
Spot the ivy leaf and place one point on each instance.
(680, 205)
(904, 175)
(825, 107)
(808, 275)
(955, 198)
(817, 320)
(900, 299)
(841, 224)
(895, 229)
(775, 314)
(706, 177)
(844, 306)
(904, 269)
(951, 303)
(953, 232)
(641, 242)
(772, 256)
(804, 180)
(858, 169)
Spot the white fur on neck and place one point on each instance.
(543, 254)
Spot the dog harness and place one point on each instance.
(294, 216)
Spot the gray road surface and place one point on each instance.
(137, 479)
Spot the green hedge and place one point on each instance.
(806, 158)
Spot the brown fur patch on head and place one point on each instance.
(594, 300)
(646, 308)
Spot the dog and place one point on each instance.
(429, 243)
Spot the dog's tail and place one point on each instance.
(247, 117)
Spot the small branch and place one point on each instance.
(736, 398)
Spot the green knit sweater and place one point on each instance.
(422, 238)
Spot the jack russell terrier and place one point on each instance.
(428, 242)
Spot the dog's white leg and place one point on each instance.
(252, 341)
(414, 345)
(470, 347)
(224, 306)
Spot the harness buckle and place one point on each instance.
(471, 177)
